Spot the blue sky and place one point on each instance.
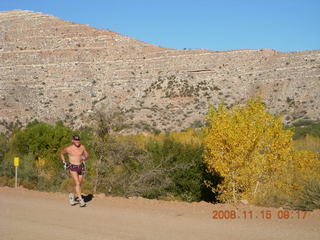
(283, 25)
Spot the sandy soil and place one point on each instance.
(26, 214)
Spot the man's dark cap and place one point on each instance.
(76, 137)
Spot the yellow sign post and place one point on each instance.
(16, 165)
(16, 161)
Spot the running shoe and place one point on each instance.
(72, 199)
(82, 203)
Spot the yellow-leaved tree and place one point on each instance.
(250, 149)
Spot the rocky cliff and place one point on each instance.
(55, 70)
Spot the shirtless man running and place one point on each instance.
(77, 153)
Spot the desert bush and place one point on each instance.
(3, 146)
(110, 157)
(309, 199)
(179, 156)
(4, 180)
(306, 127)
(27, 184)
(115, 167)
(167, 166)
(152, 166)
(173, 167)
(38, 146)
(307, 142)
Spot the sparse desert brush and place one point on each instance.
(306, 127)
(189, 136)
(309, 199)
(308, 142)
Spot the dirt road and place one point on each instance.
(26, 214)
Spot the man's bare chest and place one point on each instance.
(75, 151)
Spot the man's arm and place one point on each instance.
(85, 153)
(62, 153)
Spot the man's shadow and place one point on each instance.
(88, 197)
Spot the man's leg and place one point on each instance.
(81, 177)
(77, 181)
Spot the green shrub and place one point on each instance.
(165, 167)
(306, 127)
(4, 181)
(182, 167)
(3, 146)
(7, 181)
(310, 198)
(67, 185)
(28, 185)
(38, 146)
(272, 198)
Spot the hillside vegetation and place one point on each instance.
(243, 152)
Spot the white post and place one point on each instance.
(16, 164)
(16, 178)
